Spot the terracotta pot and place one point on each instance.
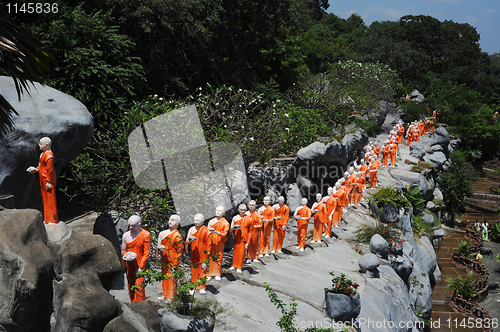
(171, 320)
(340, 307)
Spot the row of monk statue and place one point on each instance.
(252, 228)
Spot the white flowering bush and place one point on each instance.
(348, 86)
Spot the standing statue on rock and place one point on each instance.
(47, 177)
(136, 247)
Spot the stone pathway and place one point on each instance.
(443, 318)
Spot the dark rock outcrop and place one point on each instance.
(43, 112)
(26, 272)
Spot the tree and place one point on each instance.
(23, 58)
(94, 63)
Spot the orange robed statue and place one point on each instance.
(282, 214)
(331, 205)
(240, 228)
(267, 213)
(170, 243)
(253, 236)
(218, 228)
(302, 214)
(136, 246)
(197, 237)
(319, 209)
(47, 177)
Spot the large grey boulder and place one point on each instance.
(421, 291)
(137, 317)
(276, 177)
(441, 137)
(389, 214)
(369, 264)
(293, 197)
(428, 219)
(417, 150)
(435, 148)
(403, 266)
(437, 159)
(312, 151)
(87, 267)
(43, 112)
(256, 181)
(425, 182)
(415, 95)
(437, 194)
(26, 272)
(379, 246)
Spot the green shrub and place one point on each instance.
(342, 285)
(392, 195)
(413, 195)
(456, 182)
(463, 286)
(463, 248)
(391, 234)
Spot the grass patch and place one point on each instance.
(422, 166)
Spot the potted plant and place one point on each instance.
(342, 300)
(184, 313)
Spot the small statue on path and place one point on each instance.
(197, 238)
(136, 247)
(218, 228)
(170, 243)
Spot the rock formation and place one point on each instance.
(42, 112)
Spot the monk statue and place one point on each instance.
(170, 243)
(282, 214)
(302, 214)
(267, 214)
(319, 211)
(218, 228)
(47, 177)
(241, 227)
(253, 236)
(197, 239)
(136, 246)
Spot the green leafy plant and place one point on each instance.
(422, 166)
(420, 228)
(286, 322)
(494, 232)
(342, 285)
(456, 183)
(392, 195)
(413, 195)
(391, 234)
(463, 248)
(184, 301)
(463, 286)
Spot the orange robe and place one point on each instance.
(240, 236)
(320, 218)
(199, 253)
(141, 245)
(400, 135)
(253, 237)
(409, 138)
(279, 232)
(170, 259)
(373, 175)
(394, 151)
(352, 179)
(47, 173)
(385, 155)
(265, 231)
(216, 243)
(363, 169)
(302, 224)
(341, 194)
(358, 194)
(376, 150)
(331, 205)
